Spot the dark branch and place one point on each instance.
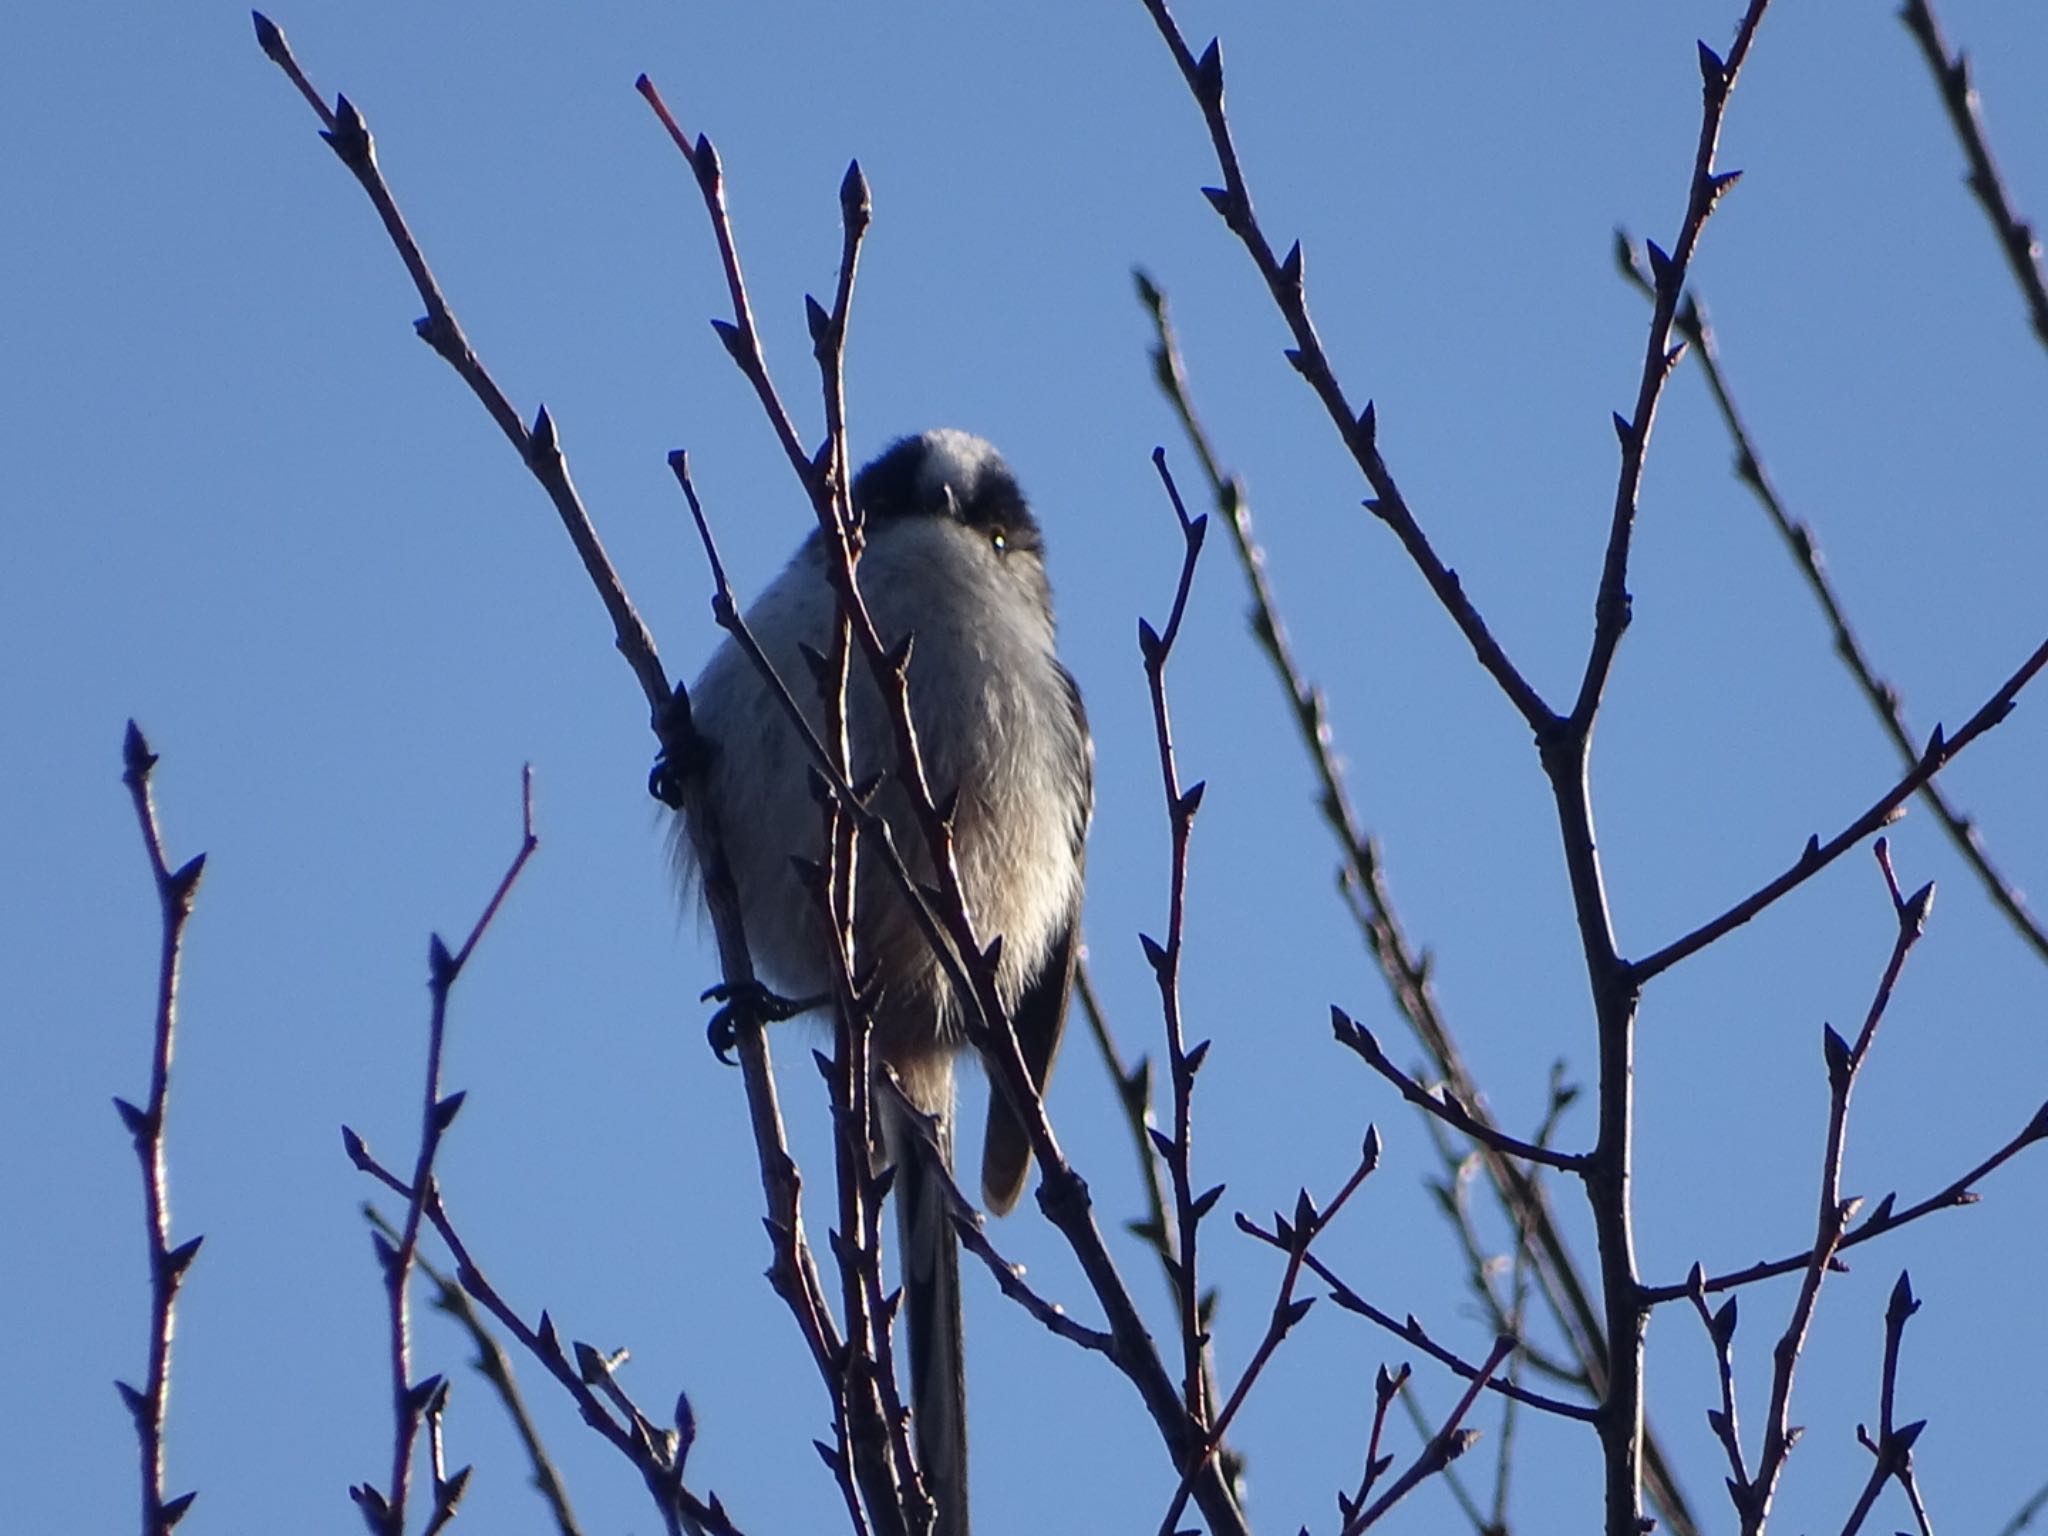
(1445, 1106)
(1357, 428)
(1804, 547)
(176, 890)
(1939, 752)
(2015, 236)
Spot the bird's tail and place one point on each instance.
(931, 1286)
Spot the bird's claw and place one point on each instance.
(747, 1003)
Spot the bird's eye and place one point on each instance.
(999, 539)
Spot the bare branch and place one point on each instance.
(1406, 969)
(176, 891)
(1414, 1333)
(495, 1366)
(539, 449)
(1844, 1061)
(967, 1222)
(657, 1453)
(1804, 546)
(2024, 1515)
(1727, 1422)
(2015, 236)
(1182, 1061)
(1447, 1445)
(1296, 1237)
(1445, 1105)
(412, 1401)
(1884, 1218)
(1940, 751)
(1358, 429)
(1063, 1195)
(1892, 1450)
(1611, 607)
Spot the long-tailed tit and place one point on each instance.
(954, 557)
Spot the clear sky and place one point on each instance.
(244, 505)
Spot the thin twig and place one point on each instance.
(1501, 1316)
(1725, 1421)
(1183, 1061)
(1295, 1237)
(1454, 1481)
(1387, 1385)
(1406, 969)
(2015, 236)
(1414, 1333)
(1134, 1093)
(412, 1401)
(1804, 547)
(973, 1233)
(495, 1366)
(1283, 278)
(1939, 752)
(2024, 1515)
(659, 1457)
(1611, 608)
(176, 890)
(1885, 1217)
(539, 448)
(1892, 1449)
(1449, 1443)
(793, 1273)
(1443, 1104)
(1844, 1061)
(1562, 1094)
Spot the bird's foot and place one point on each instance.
(749, 1003)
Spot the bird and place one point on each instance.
(954, 560)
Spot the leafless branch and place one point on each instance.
(1183, 1061)
(793, 1274)
(495, 1366)
(1387, 1385)
(1414, 1333)
(415, 1401)
(1939, 752)
(1407, 970)
(2024, 1515)
(1844, 1060)
(1295, 1238)
(1283, 278)
(1611, 608)
(2015, 236)
(1804, 547)
(657, 1453)
(539, 448)
(1443, 1104)
(1886, 1217)
(1892, 1449)
(176, 890)
(1725, 1421)
(1502, 1315)
(1134, 1094)
(967, 1222)
(1449, 1443)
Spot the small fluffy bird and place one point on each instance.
(955, 559)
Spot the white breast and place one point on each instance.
(994, 719)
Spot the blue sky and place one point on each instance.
(247, 507)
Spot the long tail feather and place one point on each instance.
(931, 1282)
